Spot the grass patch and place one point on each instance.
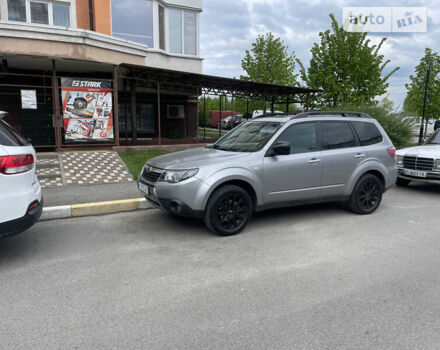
(210, 133)
(135, 160)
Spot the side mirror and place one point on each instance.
(280, 148)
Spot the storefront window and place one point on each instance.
(17, 10)
(61, 15)
(145, 118)
(190, 32)
(133, 20)
(39, 13)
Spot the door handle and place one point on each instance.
(314, 160)
(359, 155)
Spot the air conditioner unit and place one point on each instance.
(175, 111)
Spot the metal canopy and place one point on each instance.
(198, 84)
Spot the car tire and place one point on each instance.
(367, 195)
(402, 182)
(228, 210)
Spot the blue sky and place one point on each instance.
(228, 28)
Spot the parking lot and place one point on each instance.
(309, 277)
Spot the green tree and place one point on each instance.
(346, 67)
(212, 104)
(269, 62)
(413, 103)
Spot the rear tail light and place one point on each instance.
(392, 152)
(11, 165)
(33, 205)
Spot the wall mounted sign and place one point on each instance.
(87, 110)
(28, 99)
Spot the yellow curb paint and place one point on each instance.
(105, 207)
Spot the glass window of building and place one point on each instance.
(175, 30)
(61, 15)
(17, 10)
(190, 29)
(133, 20)
(161, 27)
(39, 13)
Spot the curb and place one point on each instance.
(96, 208)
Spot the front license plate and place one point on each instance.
(416, 173)
(145, 189)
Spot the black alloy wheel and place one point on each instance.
(228, 210)
(231, 211)
(367, 195)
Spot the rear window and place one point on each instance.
(337, 135)
(368, 133)
(9, 136)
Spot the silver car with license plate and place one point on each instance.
(275, 161)
(420, 163)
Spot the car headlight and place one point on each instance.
(437, 164)
(399, 160)
(175, 176)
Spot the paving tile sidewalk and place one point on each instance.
(81, 168)
(80, 194)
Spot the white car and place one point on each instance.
(260, 112)
(420, 163)
(20, 191)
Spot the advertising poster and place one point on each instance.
(87, 110)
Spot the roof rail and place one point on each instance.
(332, 113)
(272, 115)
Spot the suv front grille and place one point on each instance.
(417, 163)
(151, 174)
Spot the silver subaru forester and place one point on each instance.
(275, 161)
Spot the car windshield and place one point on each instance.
(250, 137)
(434, 139)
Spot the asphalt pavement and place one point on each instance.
(80, 194)
(315, 277)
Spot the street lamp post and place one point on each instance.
(424, 104)
(428, 72)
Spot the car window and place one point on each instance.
(249, 137)
(337, 135)
(9, 136)
(368, 133)
(302, 137)
(434, 139)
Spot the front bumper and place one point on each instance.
(431, 177)
(185, 198)
(19, 225)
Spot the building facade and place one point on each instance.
(77, 73)
(161, 34)
(46, 46)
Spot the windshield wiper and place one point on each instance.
(220, 148)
